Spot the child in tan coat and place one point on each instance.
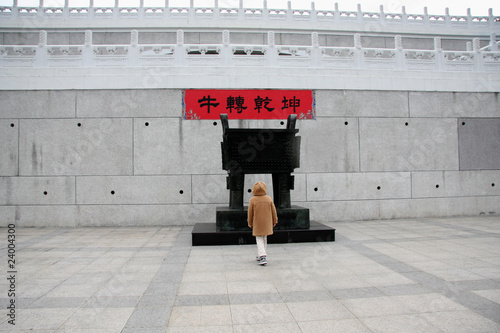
(262, 218)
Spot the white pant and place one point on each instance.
(261, 245)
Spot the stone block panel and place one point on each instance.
(358, 186)
(329, 145)
(129, 103)
(37, 190)
(111, 215)
(455, 183)
(8, 214)
(479, 143)
(9, 139)
(403, 208)
(133, 190)
(361, 103)
(298, 194)
(144, 215)
(182, 214)
(177, 146)
(454, 104)
(392, 144)
(37, 104)
(75, 147)
(211, 189)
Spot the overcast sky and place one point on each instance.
(457, 7)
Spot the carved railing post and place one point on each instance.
(265, 11)
(439, 54)
(400, 54)
(116, 10)
(382, 15)
(336, 15)
(426, 16)
(359, 14)
(271, 51)
(404, 16)
(491, 19)
(180, 50)
(41, 57)
(41, 12)
(166, 10)
(314, 13)
(15, 9)
(133, 53)
(87, 52)
(216, 13)
(358, 52)
(478, 56)
(315, 50)
(447, 17)
(469, 18)
(66, 9)
(241, 11)
(91, 10)
(493, 42)
(226, 53)
(141, 9)
(191, 10)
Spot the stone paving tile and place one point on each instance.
(99, 318)
(39, 319)
(319, 310)
(409, 323)
(267, 313)
(209, 315)
(268, 328)
(343, 325)
(430, 275)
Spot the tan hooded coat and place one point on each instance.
(262, 215)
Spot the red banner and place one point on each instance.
(248, 104)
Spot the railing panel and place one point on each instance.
(235, 55)
(18, 56)
(65, 56)
(459, 61)
(423, 60)
(156, 55)
(491, 61)
(115, 55)
(379, 58)
(337, 57)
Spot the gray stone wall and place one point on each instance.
(127, 157)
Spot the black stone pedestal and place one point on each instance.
(206, 234)
(228, 219)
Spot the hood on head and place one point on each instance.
(259, 189)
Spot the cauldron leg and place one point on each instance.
(282, 184)
(235, 184)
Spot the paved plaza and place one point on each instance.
(415, 275)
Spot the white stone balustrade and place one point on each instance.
(270, 55)
(167, 16)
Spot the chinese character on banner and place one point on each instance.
(206, 101)
(248, 104)
(235, 103)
